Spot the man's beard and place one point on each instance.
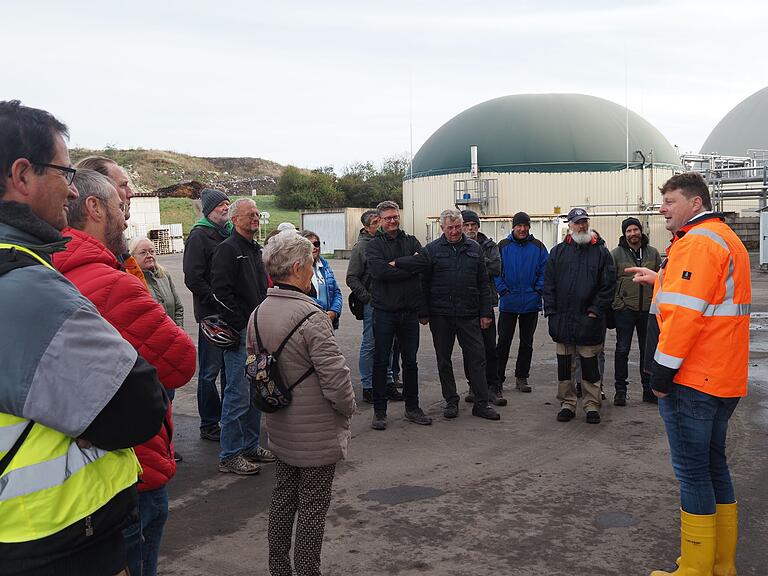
(115, 240)
(582, 237)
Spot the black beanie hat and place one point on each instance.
(629, 222)
(211, 198)
(470, 216)
(521, 218)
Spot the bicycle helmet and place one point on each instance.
(219, 333)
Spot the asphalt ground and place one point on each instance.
(524, 496)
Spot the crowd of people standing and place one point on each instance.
(86, 426)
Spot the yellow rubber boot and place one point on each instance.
(727, 533)
(697, 546)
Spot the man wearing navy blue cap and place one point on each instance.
(579, 285)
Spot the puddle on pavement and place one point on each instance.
(401, 494)
(614, 520)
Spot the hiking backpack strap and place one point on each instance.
(276, 353)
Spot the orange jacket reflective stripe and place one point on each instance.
(702, 300)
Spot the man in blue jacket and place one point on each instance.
(520, 286)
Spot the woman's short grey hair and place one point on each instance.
(234, 207)
(282, 251)
(387, 205)
(450, 215)
(88, 183)
(133, 243)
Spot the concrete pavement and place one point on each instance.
(524, 496)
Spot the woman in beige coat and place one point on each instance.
(312, 434)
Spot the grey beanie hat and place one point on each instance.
(211, 198)
(470, 216)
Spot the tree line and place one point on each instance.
(361, 185)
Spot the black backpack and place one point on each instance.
(356, 306)
(268, 391)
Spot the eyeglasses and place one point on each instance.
(316, 243)
(67, 171)
(390, 218)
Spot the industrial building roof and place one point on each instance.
(543, 133)
(743, 128)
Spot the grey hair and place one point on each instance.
(387, 205)
(282, 251)
(367, 216)
(133, 243)
(450, 214)
(88, 183)
(234, 206)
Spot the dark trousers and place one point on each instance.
(396, 360)
(491, 362)
(405, 326)
(445, 330)
(627, 322)
(507, 323)
(303, 495)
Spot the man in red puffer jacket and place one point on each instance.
(97, 221)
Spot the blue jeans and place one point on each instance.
(696, 425)
(387, 325)
(240, 420)
(367, 349)
(142, 540)
(210, 363)
(627, 323)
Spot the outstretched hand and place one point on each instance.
(642, 275)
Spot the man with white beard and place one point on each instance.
(579, 283)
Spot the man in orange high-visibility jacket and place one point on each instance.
(701, 301)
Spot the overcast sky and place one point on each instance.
(334, 82)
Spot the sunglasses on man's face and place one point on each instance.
(316, 243)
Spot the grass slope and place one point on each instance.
(174, 210)
(154, 169)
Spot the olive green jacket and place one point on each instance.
(164, 293)
(631, 295)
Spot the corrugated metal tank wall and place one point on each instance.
(544, 193)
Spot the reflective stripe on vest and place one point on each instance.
(727, 308)
(26, 251)
(51, 483)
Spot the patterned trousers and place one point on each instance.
(303, 494)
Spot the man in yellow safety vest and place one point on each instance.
(75, 396)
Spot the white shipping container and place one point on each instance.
(337, 228)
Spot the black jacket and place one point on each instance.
(238, 279)
(358, 278)
(395, 288)
(578, 279)
(456, 281)
(492, 263)
(198, 251)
